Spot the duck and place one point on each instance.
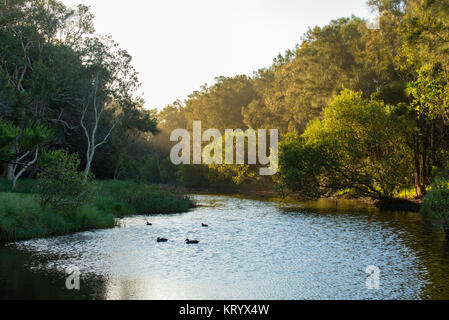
(162, 240)
(188, 241)
(149, 224)
(204, 225)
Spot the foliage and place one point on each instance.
(359, 144)
(436, 203)
(55, 70)
(220, 106)
(126, 197)
(60, 185)
(8, 134)
(344, 53)
(63, 86)
(192, 176)
(22, 217)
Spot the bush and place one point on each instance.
(436, 203)
(60, 185)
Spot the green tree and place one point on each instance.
(358, 146)
(344, 53)
(220, 106)
(60, 185)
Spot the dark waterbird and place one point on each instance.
(204, 225)
(162, 240)
(149, 224)
(188, 241)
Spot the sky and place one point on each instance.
(179, 45)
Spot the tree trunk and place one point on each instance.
(10, 172)
(420, 159)
(90, 156)
(15, 177)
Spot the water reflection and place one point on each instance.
(252, 250)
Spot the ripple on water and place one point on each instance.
(251, 250)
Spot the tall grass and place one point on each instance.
(125, 197)
(21, 216)
(22, 186)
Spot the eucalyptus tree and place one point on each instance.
(111, 83)
(26, 30)
(342, 54)
(54, 71)
(220, 106)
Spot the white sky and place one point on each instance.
(178, 45)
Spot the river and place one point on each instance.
(252, 250)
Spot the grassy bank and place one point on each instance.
(21, 216)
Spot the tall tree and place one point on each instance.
(112, 82)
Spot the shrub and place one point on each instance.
(436, 203)
(60, 185)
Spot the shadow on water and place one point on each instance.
(19, 282)
(252, 250)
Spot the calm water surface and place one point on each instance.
(252, 250)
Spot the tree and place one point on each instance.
(59, 184)
(112, 83)
(424, 30)
(38, 74)
(359, 146)
(20, 147)
(220, 106)
(343, 54)
(136, 124)
(55, 71)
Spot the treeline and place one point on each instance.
(362, 111)
(62, 86)
(69, 113)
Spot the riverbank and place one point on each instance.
(396, 204)
(21, 216)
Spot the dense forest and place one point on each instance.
(362, 110)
